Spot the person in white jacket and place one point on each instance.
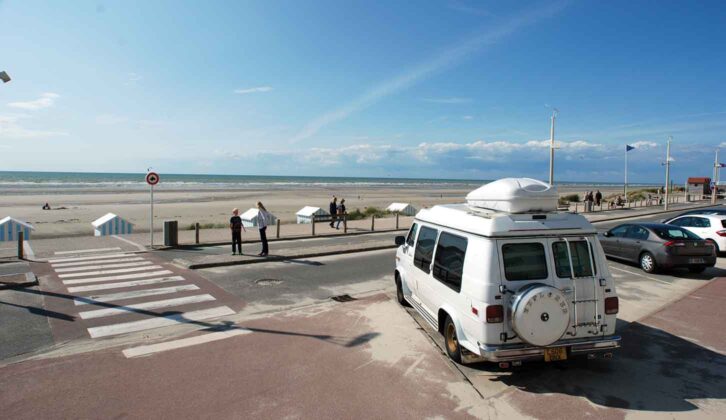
(263, 218)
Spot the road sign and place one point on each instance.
(713, 185)
(152, 178)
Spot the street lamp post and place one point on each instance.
(668, 172)
(552, 146)
(716, 167)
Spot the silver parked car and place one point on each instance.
(658, 246)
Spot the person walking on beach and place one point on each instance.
(263, 218)
(341, 212)
(333, 208)
(235, 225)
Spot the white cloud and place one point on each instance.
(426, 69)
(46, 100)
(644, 145)
(110, 119)
(253, 90)
(452, 100)
(467, 117)
(11, 128)
(132, 78)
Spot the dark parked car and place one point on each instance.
(658, 246)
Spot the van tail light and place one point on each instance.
(674, 243)
(611, 305)
(495, 314)
(721, 232)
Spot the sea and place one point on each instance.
(31, 182)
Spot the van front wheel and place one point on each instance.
(451, 341)
(399, 292)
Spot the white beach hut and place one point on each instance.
(111, 224)
(250, 218)
(9, 229)
(306, 214)
(403, 209)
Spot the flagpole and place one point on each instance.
(626, 173)
(714, 191)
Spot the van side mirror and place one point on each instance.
(400, 240)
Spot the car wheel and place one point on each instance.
(647, 262)
(451, 341)
(399, 292)
(696, 269)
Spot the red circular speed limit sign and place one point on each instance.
(152, 178)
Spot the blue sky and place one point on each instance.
(435, 89)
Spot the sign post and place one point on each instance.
(152, 178)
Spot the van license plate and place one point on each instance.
(696, 260)
(554, 354)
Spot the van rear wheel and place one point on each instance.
(453, 349)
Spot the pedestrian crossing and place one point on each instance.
(117, 292)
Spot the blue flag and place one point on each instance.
(629, 147)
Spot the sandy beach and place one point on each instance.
(75, 209)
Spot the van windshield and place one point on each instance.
(581, 261)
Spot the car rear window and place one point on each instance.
(723, 223)
(581, 261)
(525, 261)
(673, 232)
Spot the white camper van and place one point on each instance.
(506, 278)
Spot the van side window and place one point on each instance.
(425, 248)
(411, 235)
(525, 261)
(449, 261)
(580, 259)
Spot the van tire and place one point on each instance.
(647, 263)
(399, 292)
(451, 341)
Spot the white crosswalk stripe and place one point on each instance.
(157, 304)
(90, 258)
(119, 277)
(105, 272)
(104, 261)
(113, 297)
(124, 284)
(102, 267)
(183, 342)
(86, 251)
(163, 321)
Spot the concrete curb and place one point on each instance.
(295, 238)
(30, 280)
(652, 213)
(274, 258)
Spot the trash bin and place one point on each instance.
(171, 233)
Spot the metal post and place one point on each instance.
(668, 172)
(152, 217)
(714, 191)
(196, 233)
(373, 223)
(312, 222)
(552, 148)
(21, 238)
(397, 220)
(345, 223)
(278, 229)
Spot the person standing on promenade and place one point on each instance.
(262, 219)
(333, 208)
(235, 225)
(598, 198)
(341, 212)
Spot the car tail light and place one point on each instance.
(495, 314)
(612, 305)
(721, 232)
(674, 243)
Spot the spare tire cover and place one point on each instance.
(540, 314)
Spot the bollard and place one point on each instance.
(397, 220)
(373, 223)
(21, 238)
(345, 223)
(312, 223)
(196, 233)
(278, 229)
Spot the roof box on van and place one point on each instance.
(515, 195)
